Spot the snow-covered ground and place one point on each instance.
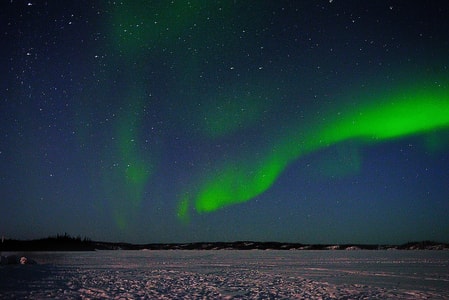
(226, 274)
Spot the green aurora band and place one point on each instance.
(416, 111)
(126, 181)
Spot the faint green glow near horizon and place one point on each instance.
(135, 167)
(183, 208)
(392, 116)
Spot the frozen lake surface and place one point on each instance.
(228, 274)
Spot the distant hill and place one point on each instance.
(68, 243)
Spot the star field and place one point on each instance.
(182, 121)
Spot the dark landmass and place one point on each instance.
(68, 243)
(54, 243)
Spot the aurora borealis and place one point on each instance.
(296, 121)
(415, 114)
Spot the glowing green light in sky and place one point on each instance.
(128, 179)
(238, 107)
(237, 184)
(183, 208)
(137, 169)
(393, 116)
(227, 114)
(139, 25)
(403, 115)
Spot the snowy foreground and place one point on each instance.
(226, 274)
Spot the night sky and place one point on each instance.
(182, 121)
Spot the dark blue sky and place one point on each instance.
(124, 120)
